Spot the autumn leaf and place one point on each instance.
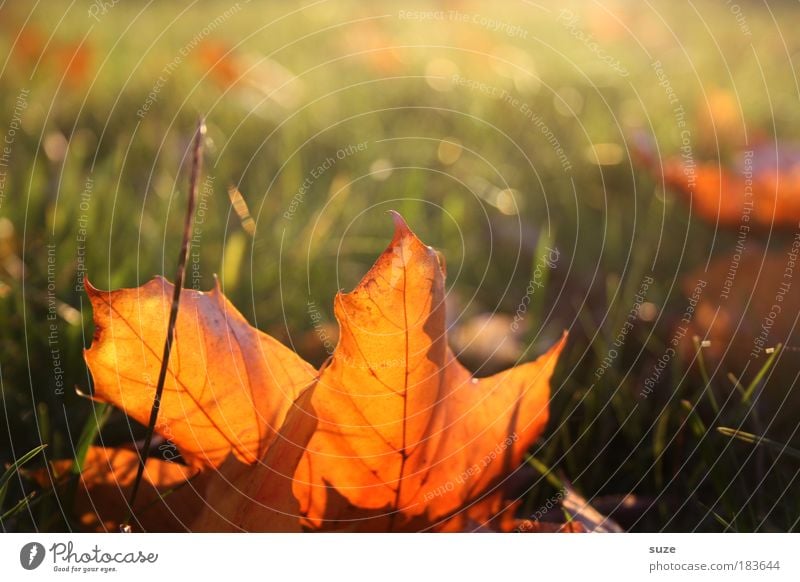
(71, 60)
(221, 63)
(720, 127)
(228, 387)
(759, 189)
(29, 47)
(393, 434)
(75, 60)
(745, 305)
(247, 77)
(101, 502)
(399, 418)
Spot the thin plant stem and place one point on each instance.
(194, 178)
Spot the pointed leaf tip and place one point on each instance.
(88, 287)
(401, 228)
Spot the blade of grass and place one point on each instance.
(546, 472)
(748, 393)
(759, 428)
(754, 439)
(242, 211)
(736, 384)
(717, 517)
(14, 468)
(43, 421)
(90, 430)
(543, 242)
(19, 506)
(697, 424)
(659, 445)
(701, 362)
(589, 326)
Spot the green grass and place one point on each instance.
(612, 224)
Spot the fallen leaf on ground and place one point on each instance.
(101, 501)
(228, 387)
(392, 434)
(747, 307)
(759, 190)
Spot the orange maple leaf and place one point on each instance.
(760, 190)
(393, 434)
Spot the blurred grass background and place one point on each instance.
(111, 96)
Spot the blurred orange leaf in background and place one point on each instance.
(760, 189)
(69, 59)
(252, 78)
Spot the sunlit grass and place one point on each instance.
(490, 205)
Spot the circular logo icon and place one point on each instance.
(31, 555)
